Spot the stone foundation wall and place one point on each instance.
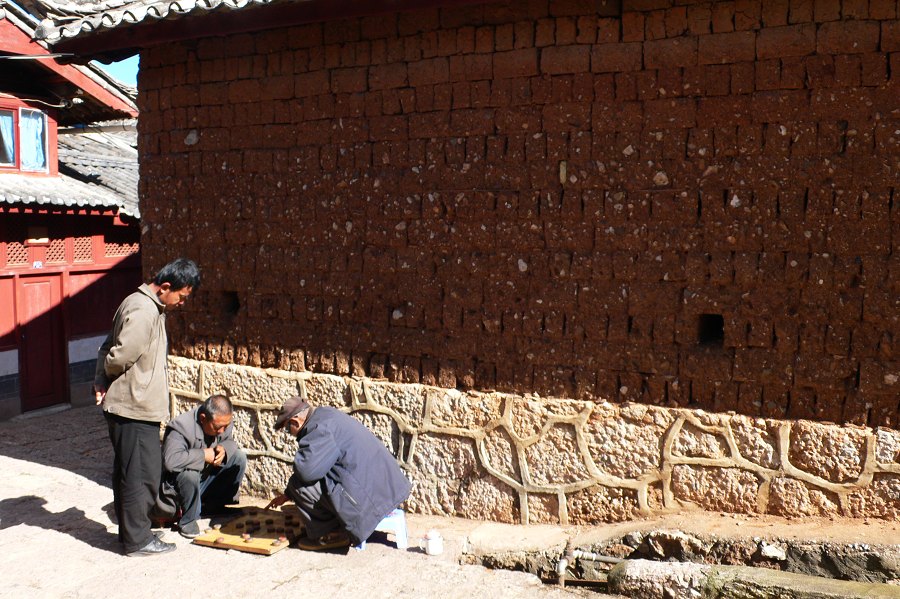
(530, 459)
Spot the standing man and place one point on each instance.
(203, 465)
(345, 481)
(131, 383)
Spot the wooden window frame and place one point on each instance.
(17, 107)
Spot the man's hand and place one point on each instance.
(279, 500)
(99, 394)
(214, 455)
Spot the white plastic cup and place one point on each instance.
(434, 542)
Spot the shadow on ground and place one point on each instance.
(75, 440)
(30, 511)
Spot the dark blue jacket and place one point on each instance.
(362, 478)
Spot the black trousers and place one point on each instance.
(137, 469)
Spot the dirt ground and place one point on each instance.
(57, 538)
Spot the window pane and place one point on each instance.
(33, 144)
(7, 138)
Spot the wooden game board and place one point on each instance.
(257, 530)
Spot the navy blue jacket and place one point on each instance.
(362, 478)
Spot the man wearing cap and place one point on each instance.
(345, 481)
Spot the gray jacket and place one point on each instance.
(184, 443)
(131, 363)
(362, 478)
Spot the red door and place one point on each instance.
(42, 372)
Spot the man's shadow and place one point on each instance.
(30, 510)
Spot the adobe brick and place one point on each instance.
(311, 84)
(524, 35)
(609, 58)
(655, 25)
(388, 76)
(607, 31)
(671, 113)
(727, 109)
(647, 88)
(847, 70)
(678, 52)
(831, 104)
(566, 31)
(779, 106)
(699, 19)
(244, 90)
(586, 28)
(724, 48)
(566, 117)
(847, 37)
(890, 36)
(484, 39)
(743, 78)
(472, 67)
(545, 33)
(429, 72)
(676, 21)
(882, 10)
(780, 42)
(556, 60)
(800, 11)
(747, 15)
(827, 10)
(874, 69)
(632, 27)
(722, 17)
(768, 75)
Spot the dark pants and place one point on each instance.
(316, 510)
(136, 473)
(213, 488)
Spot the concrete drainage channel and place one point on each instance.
(670, 564)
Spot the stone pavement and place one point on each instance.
(57, 539)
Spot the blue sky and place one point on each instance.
(125, 70)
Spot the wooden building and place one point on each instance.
(69, 233)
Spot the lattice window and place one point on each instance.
(84, 249)
(56, 251)
(16, 253)
(121, 249)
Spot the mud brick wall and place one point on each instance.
(681, 204)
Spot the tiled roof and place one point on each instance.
(97, 169)
(61, 191)
(105, 159)
(71, 19)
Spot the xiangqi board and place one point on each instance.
(257, 530)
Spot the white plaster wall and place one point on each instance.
(9, 362)
(81, 350)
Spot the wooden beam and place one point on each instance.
(15, 41)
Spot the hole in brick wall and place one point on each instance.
(711, 329)
(230, 303)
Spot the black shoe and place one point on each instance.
(152, 548)
(191, 530)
